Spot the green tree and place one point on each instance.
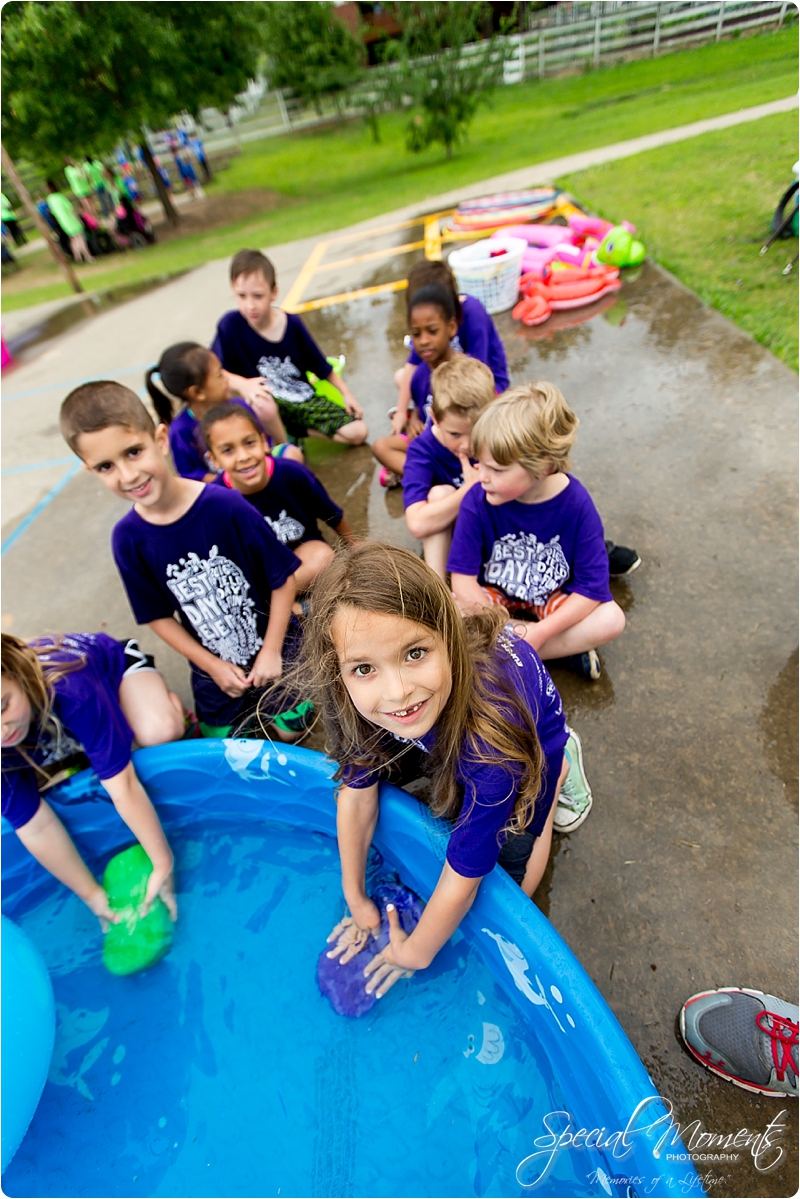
(79, 76)
(311, 51)
(444, 68)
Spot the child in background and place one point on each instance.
(263, 347)
(194, 550)
(476, 335)
(402, 679)
(432, 325)
(83, 693)
(289, 497)
(438, 472)
(194, 374)
(64, 215)
(530, 538)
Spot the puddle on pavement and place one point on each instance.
(28, 344)
(779, 719)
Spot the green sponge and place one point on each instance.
(137, 941)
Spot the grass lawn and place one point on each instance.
(322, 180)
(702, 208)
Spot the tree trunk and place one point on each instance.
(38, 220)
(170, 211)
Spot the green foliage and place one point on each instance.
(526, 123)
(78, 76)
(311, 51)
(444, 81)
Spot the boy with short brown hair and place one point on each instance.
(262, 347)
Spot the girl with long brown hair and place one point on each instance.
(78, 696)
(403, 680)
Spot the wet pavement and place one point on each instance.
(685, 876)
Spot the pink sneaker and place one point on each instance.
(388, 479)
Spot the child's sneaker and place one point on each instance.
(745, 1036)
(388, 479)
(621, 560)
(587, 664)
(575, 798)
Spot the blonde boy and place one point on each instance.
(529, 537)
(438, 472)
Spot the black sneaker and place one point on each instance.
(586, 664)
(621, 560)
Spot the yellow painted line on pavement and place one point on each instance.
(372, 254)
(305, 276)
(343, 297)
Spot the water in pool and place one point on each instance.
(222, 1071)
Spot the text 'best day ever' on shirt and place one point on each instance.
(529, 551)
(216, 566)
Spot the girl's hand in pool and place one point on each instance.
(97, 902)
(161, 882)
(352, 935)
(387, 967)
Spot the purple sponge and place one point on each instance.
(345, 986)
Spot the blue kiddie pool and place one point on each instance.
(498, 1071)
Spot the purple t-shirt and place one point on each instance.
(281, 364)
(529, 551)
(186, 443)
(217, 567)
(87, 705)
(292, 502)
(478, 337)
(490, 788)
(421, 392)
(428, 463)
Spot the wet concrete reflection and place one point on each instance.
(685, 875)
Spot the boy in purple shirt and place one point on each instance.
(194, 550)
(263, 348)
(438, 473)
(530, 537)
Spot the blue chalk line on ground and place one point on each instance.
(18, 470)
(40, 507)
(32, 391)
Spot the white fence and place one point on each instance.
(633, 30)
(605, 32)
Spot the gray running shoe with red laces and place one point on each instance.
(745, 1036)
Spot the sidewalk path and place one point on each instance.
(542, 172)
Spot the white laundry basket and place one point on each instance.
(493, 281)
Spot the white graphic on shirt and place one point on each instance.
(525, 568)
(286, 528)
(214, 594)
(284, 380)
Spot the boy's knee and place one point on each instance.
(354, 433)
(615, 620)
(441, 491)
